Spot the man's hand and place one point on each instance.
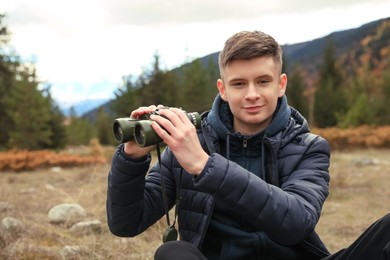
(131, 148)
(177, 131)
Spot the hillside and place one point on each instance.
(349, 45)
(364, 47)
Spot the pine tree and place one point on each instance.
(30, 113)
(212, 73)
(358, 114)
(153, 89)
(197, 87)
(126, 99)
(80, 131)
(104, 127)
(359, 102)
(296, 91)
(329, 97)
(58, 137)
(381, 106)
(29, 118)
(8, 63)
(173, 97)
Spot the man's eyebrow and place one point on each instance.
(266, 75)
(236, 79)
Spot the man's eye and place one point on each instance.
(263, 82)
(238, 84)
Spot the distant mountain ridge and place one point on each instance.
(349, 46)
(83, 107)
(309, 53)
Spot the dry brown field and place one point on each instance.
(360, 194)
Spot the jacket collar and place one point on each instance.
(221, 118)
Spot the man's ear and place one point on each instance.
(221, 89)
(282, 84)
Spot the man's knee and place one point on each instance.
(178, 250)
(385, 221)
(165, 250)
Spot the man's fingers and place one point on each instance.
(144, 110)
(160, 129)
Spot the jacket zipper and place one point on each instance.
(245, 142)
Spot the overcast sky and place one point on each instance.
(84, 47)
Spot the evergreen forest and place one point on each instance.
(342, 88)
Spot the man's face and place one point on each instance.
(252, 88)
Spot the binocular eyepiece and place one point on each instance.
(140, 130)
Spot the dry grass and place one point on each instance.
(359, 195)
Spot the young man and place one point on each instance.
(253, 179)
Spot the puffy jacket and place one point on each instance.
(286, 203)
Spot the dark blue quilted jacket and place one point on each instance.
(286, 203)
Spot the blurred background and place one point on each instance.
(73, 67)
(69, 68)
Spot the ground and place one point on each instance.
(359, 195)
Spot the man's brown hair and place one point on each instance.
(247, 45)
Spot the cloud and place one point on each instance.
(79, 15)
(173, 12)
(78, 45)
(69, 93)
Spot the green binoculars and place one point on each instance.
(140, 129)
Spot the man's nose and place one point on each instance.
(253, 92)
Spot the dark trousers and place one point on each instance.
(178, 250)
(373, 244)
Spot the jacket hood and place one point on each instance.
(221, 118)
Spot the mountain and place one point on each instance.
(349, 46)
(355, 49)
(372, 37)
(91, 114)
(84, 107)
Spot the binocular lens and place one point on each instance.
(127, 129)
(139, 134)
(144, 134)
(118, 132)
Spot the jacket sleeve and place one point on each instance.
(132, 206)
(289, 213)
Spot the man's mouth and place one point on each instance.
(253, 109)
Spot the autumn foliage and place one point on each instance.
(358, 137)
(23, 160)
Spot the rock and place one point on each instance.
(10, 229)
(28, 190)
(11, 225)
(3, 206)
(87, 227)
(56, 169)
(365, 161)
(66, 214)
(49, 187)
(73, 252)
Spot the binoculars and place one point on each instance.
(140, 129)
